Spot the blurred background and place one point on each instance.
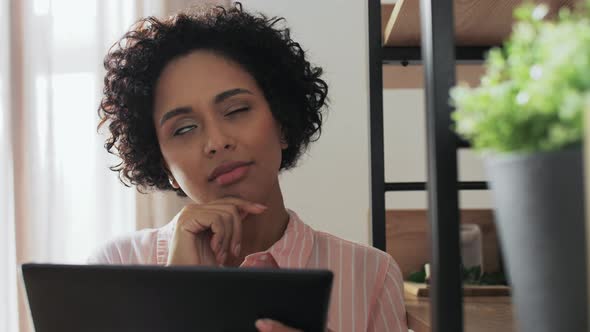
(58, 199)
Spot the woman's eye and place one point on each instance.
(239, 110)
(184, 130)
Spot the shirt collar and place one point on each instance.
(294, 248)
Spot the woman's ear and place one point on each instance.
(173, 182)
(284, 143)
(171, 178)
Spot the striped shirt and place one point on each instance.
(367, 293)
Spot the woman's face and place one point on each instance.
(209, 113)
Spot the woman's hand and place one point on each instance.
(268, 325)
(206, 234)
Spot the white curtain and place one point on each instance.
(8, 309)
(58, 201)
(69, 192)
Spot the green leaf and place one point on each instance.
(496, 278)
(531, 97)
(472, 275)
(419, 276)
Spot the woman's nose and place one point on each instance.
(218, 140)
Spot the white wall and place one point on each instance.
(405, 152)
(330, 188)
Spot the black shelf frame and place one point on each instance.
(439, 56)
(421, 186)
(412, 55)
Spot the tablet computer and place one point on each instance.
(76, 298)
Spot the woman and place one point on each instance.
(214, 105)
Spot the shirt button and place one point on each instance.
(263, 258)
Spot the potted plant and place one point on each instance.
(526, 119)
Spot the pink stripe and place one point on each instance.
(385, 326)
(303, 248)
(399, 306)
(295, 246)
(317, 256)
(392, 308)
(340, 280)
(353, 289)
(380, 271)
(347, 285)
(365, 287)
(396, 280)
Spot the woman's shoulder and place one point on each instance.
(139, 247)
(335, 241)
(358, 255)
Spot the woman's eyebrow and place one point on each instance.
(218, 99)
(177, 111)
(229, 93)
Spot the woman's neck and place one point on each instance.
(260, 232)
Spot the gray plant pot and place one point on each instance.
(539, 209)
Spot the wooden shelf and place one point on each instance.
(412, 77)
(408, 233)
(477, 22)
(482, 314)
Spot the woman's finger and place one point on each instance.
(234, 230)
(269, 325)
(226, 219)
(236, 216)
(218, 229)
(236, 239)
(242, 204)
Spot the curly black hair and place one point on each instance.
(292, 86)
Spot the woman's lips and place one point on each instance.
(232, 176)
